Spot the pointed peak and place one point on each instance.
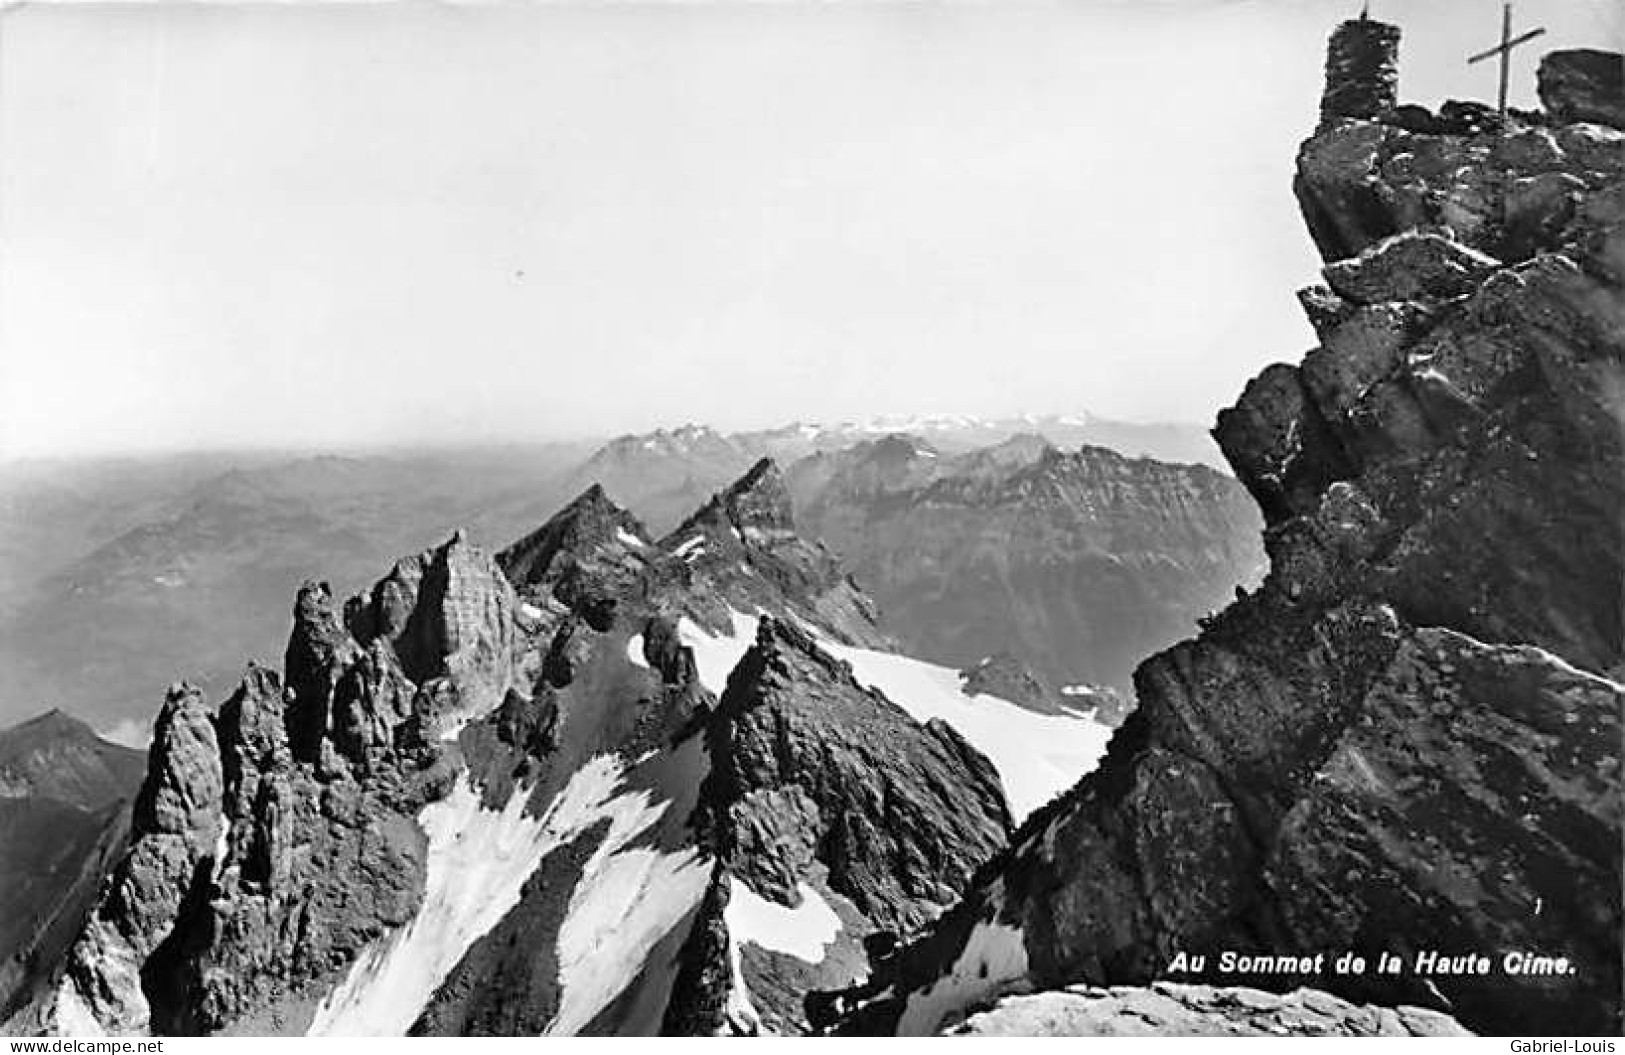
(260, 682)
(760, 500)
(54, 723)
(592, 521)
(772, 632)
(753, 508)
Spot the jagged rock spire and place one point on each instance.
(590, 521)
(1362, 70)
(756, 507)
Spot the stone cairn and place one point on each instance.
(1362, 71)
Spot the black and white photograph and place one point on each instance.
(847, 519)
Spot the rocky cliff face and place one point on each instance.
(823, 797)
(1407, 740)
(1076, 565)
(274, 839)
(597, 785)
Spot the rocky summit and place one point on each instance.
(611, 781)
(597, 784)
(1407, 739)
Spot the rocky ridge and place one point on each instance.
(274, 839)
(475, 752)
(1408, 738)
(1075, 564)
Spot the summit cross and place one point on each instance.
(1504, 49)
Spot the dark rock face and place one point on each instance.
(1504, 193)
(174, 832)
(818, 782)
(1407, 739)
(1362, 71)
(449, 617)
(64, 812)
(1002, 675)
(319, 649)
(1076, 565)
(580, 554)
(809, 764)
(317, 864)
(1583, 85)
(249, 875)
(274, 841)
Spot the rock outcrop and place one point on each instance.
(448, 616)
(1407, 740)
(275, 839)
(1583, 85)
(822, 789)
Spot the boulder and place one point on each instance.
(1583, 84)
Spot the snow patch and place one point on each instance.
(688, 546)
(479, 860)
(1038, 756)
(530, 611)
(629, 539)
(995, 956)
(716, 657)
(634, 651)
(803, 932)
(71, 1016)
(739, 1010)
(625, 902)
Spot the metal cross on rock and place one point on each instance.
(1504, 49)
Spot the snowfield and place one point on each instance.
(716, 657)
(803, 932)
(478, 863)
(626, 900)
(1038, 756)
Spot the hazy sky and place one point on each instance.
(349, 226)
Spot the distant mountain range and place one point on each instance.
(662, 474)
(1076, 564)
(122, 578)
